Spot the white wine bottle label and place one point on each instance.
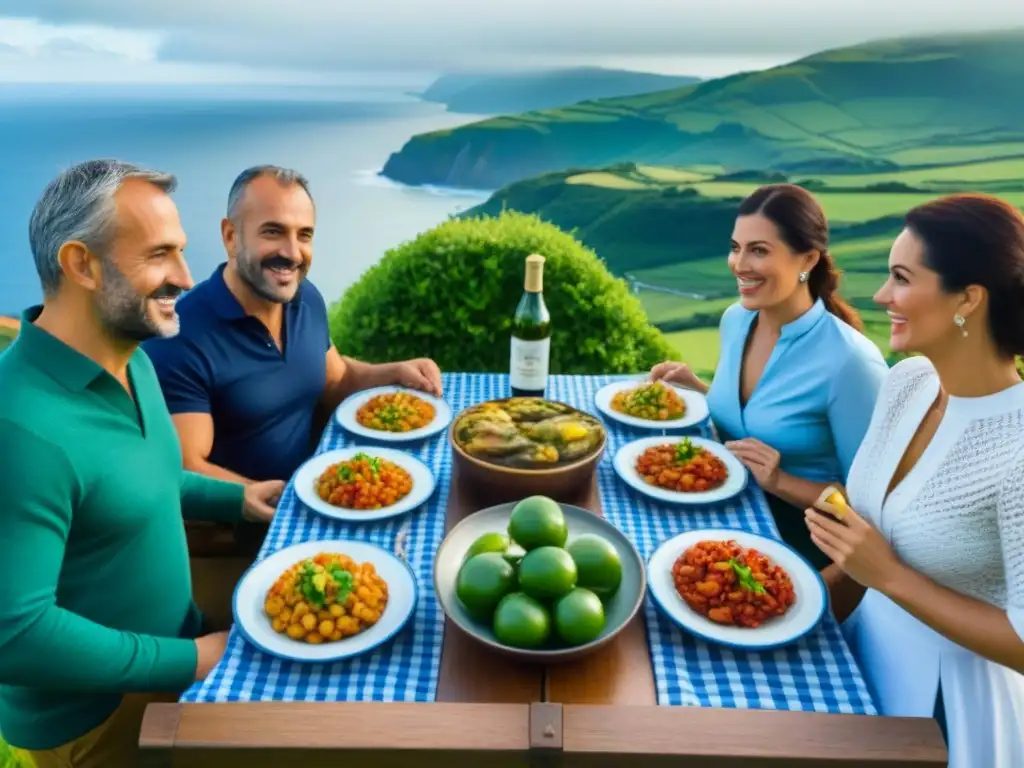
(528, 368)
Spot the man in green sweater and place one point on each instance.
(96, 610)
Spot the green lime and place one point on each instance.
(547, 573)
(579, 616)
(488, 542)
(538, 521)
(482, 581)
(598, 564)
(521, 622)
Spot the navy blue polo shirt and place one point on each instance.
(225, 363)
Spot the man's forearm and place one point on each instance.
(55, 648)
(357, 377)
(203, 467)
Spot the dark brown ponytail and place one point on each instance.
(824, 284)
(803, 227)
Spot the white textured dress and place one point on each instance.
(958, 518)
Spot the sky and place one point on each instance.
(338, 41)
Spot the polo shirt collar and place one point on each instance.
(805, 322)
(223, 300)
(65, 365)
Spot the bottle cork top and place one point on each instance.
(534, 282)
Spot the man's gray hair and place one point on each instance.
(284, 176)
(79, 205)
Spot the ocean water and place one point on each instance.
(339, 138)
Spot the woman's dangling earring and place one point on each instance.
(959, 320)
(803, 277)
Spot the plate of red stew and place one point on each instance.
(681, 470)
(363, 483)
(736, 588)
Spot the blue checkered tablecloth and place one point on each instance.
(816, 674)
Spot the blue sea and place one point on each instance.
(338, 137)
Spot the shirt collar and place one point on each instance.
(804, 323)
(65, 365)
(223, 300)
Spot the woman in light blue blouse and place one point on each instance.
(797, 380)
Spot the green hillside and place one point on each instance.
(500, 93)
(666, 229)
(7, 335)
(879, 106)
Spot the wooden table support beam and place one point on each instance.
(261, 735)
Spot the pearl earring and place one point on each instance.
(959, 320)
(803, 277)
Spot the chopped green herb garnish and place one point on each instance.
(746, 578)
(313, 584)
(345, 471)
(685, 451)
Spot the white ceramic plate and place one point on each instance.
(801, 618)
(423, 483)
(345, 415)
(625, 466)
(254, 624)
(696, 406)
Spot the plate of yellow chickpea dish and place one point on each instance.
(651, 404)
(322, 601)
(393, 414)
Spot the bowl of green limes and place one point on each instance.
(539, 580)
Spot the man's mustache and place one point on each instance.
(277, 261)
(166, 291)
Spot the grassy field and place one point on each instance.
(699, 348)
(846, 197)
(8, 330)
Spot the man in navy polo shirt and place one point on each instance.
(254, 363)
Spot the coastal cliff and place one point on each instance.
(862, 104)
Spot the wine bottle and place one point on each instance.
(531, 335)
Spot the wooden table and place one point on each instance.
(492, 712)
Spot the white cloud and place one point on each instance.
(35, 51)
(705, 37)
(32, 38)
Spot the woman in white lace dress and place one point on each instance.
(933, 553)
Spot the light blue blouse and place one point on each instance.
(814, 401)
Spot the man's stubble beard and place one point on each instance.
(124, 312)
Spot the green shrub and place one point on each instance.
(451, 293)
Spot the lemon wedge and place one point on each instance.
(572, 432)
(832, 501)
